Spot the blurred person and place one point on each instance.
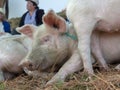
(4, 24)
(33, 15)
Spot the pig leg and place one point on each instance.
(72, 65)
(96, 51)
(84, 27)
(1, 76)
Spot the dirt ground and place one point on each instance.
(103, 80)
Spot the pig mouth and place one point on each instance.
(29, 72)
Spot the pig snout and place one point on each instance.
(28, 64)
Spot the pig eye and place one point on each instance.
(45, 39)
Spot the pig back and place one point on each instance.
(11, 53)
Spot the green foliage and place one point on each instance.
(58, 85)
(2, 86)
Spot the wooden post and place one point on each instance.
(4, 4)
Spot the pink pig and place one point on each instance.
(90, 15)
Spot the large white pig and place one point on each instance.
(55, 44)
(89, 15)
(13, 48)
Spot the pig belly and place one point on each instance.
(110, 46)
(108, 26)
(107, 13)
(109, 21)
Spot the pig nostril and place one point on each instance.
(30, 65)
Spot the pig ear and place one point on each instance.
(53, 20)
(27, 30)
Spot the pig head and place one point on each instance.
(51, 43)
(13, 49)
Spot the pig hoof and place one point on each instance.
(117, 67)
(54, 81)
(1, 79)
(49, 83)
(89, 72)
(1, 76)
(104, 68)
